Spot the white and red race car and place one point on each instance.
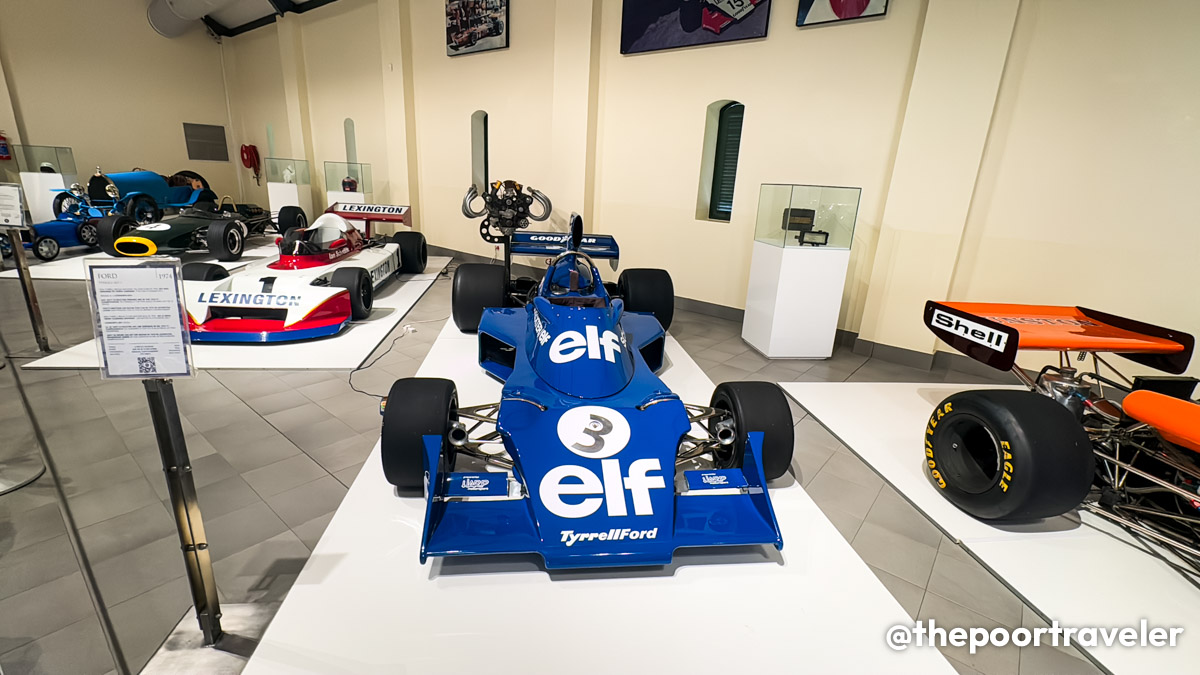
(325, 276)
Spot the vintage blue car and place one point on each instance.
(588, 459)
(141, 195)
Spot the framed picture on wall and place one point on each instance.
(651, 25)
(813, 12)
(476, 26)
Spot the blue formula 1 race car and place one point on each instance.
(585, 459)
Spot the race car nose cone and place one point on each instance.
(135, 246)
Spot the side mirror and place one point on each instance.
(576, 231)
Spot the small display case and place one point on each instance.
(289, 183)
(348, 182)
(288, 171)
(43, 169)
(802, 241)
(807, 215)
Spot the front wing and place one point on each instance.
(729, 507)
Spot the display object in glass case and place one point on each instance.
(348, 182)
(288, 184)
(798, 266)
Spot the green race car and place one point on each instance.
(221, 230)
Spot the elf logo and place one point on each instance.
(571, 345)
(975, 332)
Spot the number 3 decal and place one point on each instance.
(593, 432)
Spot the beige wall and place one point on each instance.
(95, 77)
(254, 74)
(822, 107)
(1087, 194)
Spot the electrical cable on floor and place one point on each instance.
(405, 330)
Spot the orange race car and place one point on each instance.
(1127, 450)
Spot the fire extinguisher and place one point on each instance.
(4, 152)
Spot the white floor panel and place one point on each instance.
(1087, 574)
(344, 351)
(68, 267)
(364, 603)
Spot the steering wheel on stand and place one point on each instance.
(506, 205)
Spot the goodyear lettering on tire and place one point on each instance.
(936, 417)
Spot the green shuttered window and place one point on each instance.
(729, 142)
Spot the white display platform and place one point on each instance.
(364, 603)
(335, 196)
(1078, 574)
(280, 195)
(39, 191)
(73, 267)
(345, 351)
(793, 300)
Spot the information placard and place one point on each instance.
(138, 317)
(12, 214)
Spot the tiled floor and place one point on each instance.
(274, 451)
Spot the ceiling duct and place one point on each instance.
(172, 18)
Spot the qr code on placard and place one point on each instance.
(146, 365)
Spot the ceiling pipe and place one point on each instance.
(172, 18)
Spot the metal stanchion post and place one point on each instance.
(31, 301)
(182, 488)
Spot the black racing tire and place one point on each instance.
(6, 250)
(416, 407)
(143, 209)
(756, 406)
(477, 286)
(691, 14)
(1008, 455)
(57, 205)
(45, 248)
(362, 291)
(111, 228)
(414, 254)
(87, 234)
(291, 217)
(649, 291)
(198, 271)
(226, 240)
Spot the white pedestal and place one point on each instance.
(39, 193)
(334, 196)
(280, 195)
(794, 299)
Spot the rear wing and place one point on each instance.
(373, 213)
(991, 333)
(599, 246)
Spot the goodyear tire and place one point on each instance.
(416, 407)
(62, 203)
(1008, 455)
(45, 248)
(756, 406)
(204, 272)
(477, 286)
(362, 291)
(414, 254)
(291, 217)
(143, 209)
(112, 228)
(87, 235)
(226, 240)
(650, 291)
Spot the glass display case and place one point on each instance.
(348, 177)
(807, 215)
(287, 171)
(44, 159)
